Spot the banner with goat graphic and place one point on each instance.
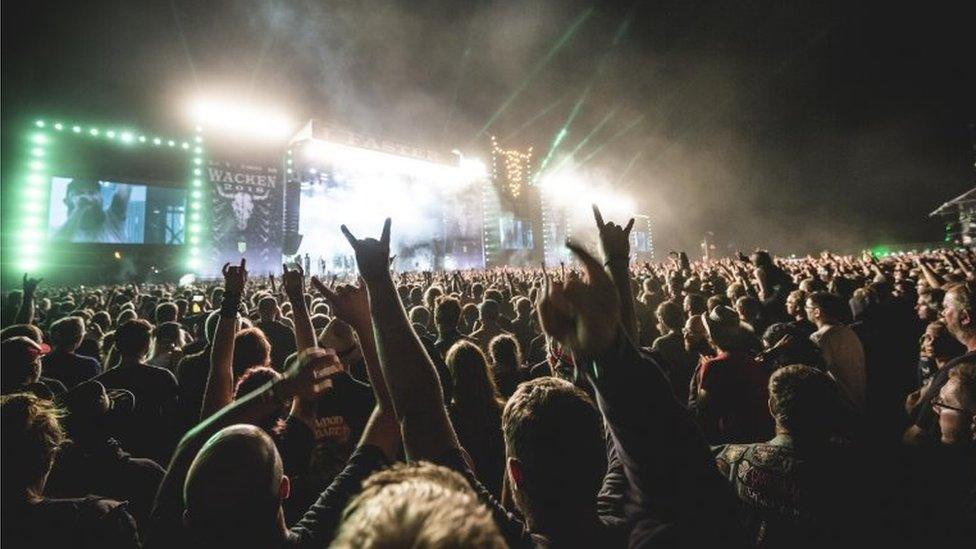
(246, 215)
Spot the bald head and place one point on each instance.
(235, 484)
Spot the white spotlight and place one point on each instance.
(241, 119)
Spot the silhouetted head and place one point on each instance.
(234, 489)
(556, 455)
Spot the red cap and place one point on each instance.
(22, 349)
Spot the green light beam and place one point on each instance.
(534, 118)
(564, 130)
(633, 160)
(561, 134)
(611, 139)
(596, 129)
(541, 64)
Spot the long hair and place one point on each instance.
(476, 400)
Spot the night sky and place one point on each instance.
(791, 125)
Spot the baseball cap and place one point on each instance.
(22, 350)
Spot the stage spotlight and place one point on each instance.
(473, 167)
(239, 119)
(126, 137)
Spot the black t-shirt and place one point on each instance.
(295, 443)
(84, 522)
(48, 388)
(282, 340)
(192, 374)
(524, 330)
(70, 368)
(484, 444)
(318, 525)
(447, 340)
(680, 362)
(341, 416)
(107, 470)
(150, 430)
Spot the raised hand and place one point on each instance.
(30, 284)
(349, 303)
(292, 281)
(372, 256)
(311, 374)
(235, 277)
(614, 239)
(582, 314)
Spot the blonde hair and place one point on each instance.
(417, 505)
(32, 434)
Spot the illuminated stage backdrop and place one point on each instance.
(437, 217)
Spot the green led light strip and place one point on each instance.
(31, 236)
(197, 225)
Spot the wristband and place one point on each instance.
(229, 305)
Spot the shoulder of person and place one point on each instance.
(728, 456)
(112, 521)
(162, 373)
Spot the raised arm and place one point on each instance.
(220, 379)
(414, 387)
(25, 314)
(615, 247)
(293, 283)
(351, 305)
(934, 280)
(672, 476)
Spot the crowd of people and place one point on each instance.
(745, 401)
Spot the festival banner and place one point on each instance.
(246, 215)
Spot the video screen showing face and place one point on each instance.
(107, 212)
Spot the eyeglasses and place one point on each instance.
(938, 405)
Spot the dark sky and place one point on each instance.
(793, 125)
